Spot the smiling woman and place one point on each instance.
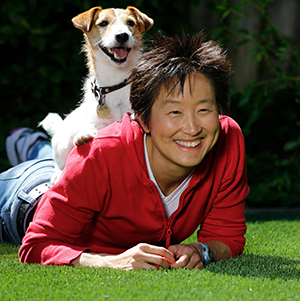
(128, 198)
(183, 128)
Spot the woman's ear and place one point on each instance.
(143, 124)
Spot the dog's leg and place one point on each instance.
(51, 123)
(84, 136)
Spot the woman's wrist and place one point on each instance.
(219, 250)
(206, 253)
(91, 259)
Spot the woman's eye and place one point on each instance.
(175, 112)
(103, 23)
(130, 23)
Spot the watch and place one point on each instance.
(207, 255)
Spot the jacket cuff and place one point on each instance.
(236, 248)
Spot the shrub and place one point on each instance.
(268, 109)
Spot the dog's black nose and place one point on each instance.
(122, 38)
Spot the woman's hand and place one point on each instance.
(142, 256)
(187, 256)
(191, 256)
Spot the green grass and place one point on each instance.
(268, 270)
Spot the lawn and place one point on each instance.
(268, 270)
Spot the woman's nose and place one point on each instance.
(191, 125)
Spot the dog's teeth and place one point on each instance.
(116, 56)
(113, 53)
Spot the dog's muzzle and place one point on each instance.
(117, 54)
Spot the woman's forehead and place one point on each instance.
(179, 86)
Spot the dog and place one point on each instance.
(113, 41)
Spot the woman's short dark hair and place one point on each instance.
(169, 62)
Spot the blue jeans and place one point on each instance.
(17, 189)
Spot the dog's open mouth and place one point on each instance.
(117, 54)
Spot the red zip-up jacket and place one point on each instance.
(106, 203)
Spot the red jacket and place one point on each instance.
(105, 202)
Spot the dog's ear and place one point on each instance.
(84, 21)
(144, 22)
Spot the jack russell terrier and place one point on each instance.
(113, 40)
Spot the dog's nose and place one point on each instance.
(122, 38)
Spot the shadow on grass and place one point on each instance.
(258, 266)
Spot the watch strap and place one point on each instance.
(206, 253)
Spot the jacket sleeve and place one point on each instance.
(226, 220)
(64, 211)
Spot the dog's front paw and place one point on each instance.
(84, 137)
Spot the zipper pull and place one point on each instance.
(168, 238)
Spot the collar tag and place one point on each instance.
(103, 110)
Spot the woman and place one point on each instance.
(129, 197)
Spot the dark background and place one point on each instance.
(42, 69)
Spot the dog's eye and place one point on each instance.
(130, 23)
(103, 23)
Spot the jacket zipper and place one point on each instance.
(168, 236)
(171, 218)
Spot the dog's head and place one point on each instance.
(115, 31)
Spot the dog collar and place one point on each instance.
(100, 92)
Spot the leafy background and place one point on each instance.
(42, 69)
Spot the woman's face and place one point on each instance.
(183, 127)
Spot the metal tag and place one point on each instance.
(103, 111)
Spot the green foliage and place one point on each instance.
(268, 270)
(268, 110)
(42, 69)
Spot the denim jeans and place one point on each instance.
(15, 186)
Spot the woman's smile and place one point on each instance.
(189, 144)
(183, 127)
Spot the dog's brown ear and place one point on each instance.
(84, 21)
(144, 22)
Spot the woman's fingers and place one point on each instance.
(186, 256)
(160, 251)
(144, 256)
(158, 256)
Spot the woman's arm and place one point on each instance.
(145, 256)
(142, 256)
(64, 211)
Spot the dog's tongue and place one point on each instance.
(120, 52)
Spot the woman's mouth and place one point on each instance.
(189, 144)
